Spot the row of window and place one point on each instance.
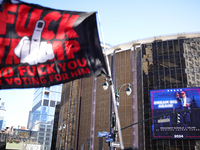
(45, 103)
(51, 104)
(42, 125)
(52, 95)
(43, 130)
(47, 134)
(47, 138)
(46, 143)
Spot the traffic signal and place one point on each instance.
(177, 118)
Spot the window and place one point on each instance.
(46, 95)
(41, 138)
(197, 76)
(48, 130)
(193, 79)
(47, 143)
(41, 142)
(52, 103)
(42, 125)
(41, 134)
(45, 102)
(44, 118)
(42, 129)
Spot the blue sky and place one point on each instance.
(122, 22)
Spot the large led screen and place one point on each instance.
(182, 100)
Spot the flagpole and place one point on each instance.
(112, 87)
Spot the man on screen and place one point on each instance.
(186, 102)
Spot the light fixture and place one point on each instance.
(60, 128)
(128, 90)
(105, 85)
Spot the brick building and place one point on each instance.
(149, 64)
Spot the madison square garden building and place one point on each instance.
(156, 69)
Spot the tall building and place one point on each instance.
(161, 63)
(171, 64)
(28, 122)
(2, 115)
(69, 115)
(42, 114)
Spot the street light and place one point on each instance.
(61, 130)
(105, 84)
(128, 92)
(128, 89)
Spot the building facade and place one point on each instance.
(166, 62)
(42, 114)
(29, 122)
(2, 115)
(69, 115)
(55, 127)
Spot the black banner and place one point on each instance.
(41, 46)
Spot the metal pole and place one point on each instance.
(60, 139)
(158, 117)
(117, 100)
(112, 92)
(88, 141)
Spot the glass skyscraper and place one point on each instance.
(42, 114)
(2, 113)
